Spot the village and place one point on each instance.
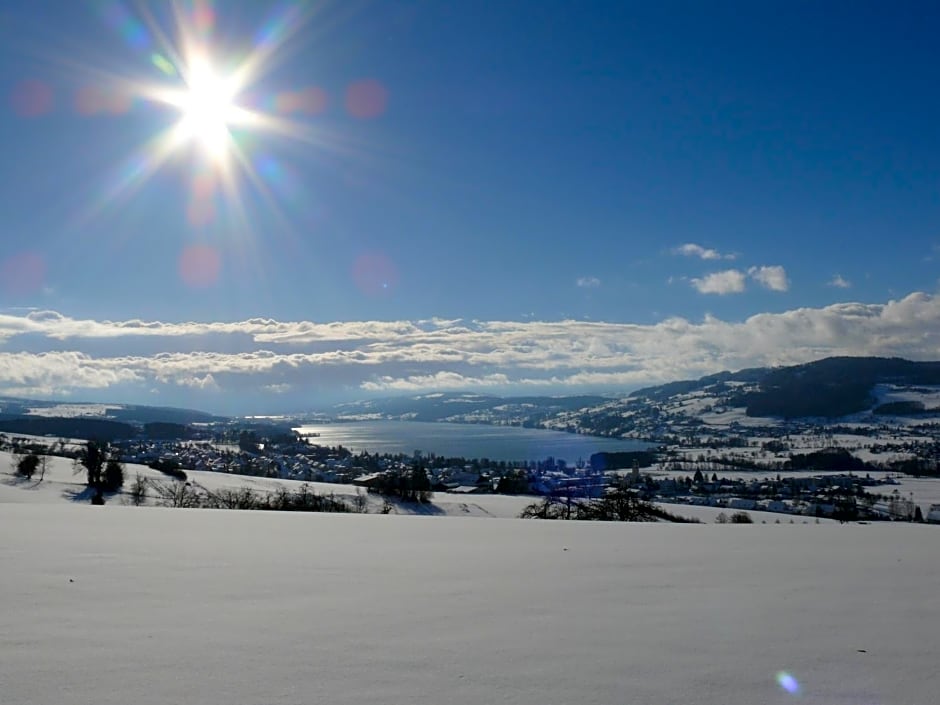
(847, 495)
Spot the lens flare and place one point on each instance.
(122, 21)
(278, 26)
(366, 99)
(102, 100)
(23, 274)
(282, 180)
(788, 683)
(310, 101)
(203, 16)
(199, 266)
(164, 64)
(375, 274)
(32, 98)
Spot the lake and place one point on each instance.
(464, 440)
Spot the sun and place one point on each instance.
(208, 109)
(217, 107)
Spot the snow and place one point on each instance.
(73, 410)
(62, 484)
(113, 605)
(710, 514)
(928, 395)
(926, 490)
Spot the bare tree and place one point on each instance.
(176, 494)
(138, 491)
(361, 502)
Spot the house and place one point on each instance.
(466, 489)
(367, 480)
(933, 516)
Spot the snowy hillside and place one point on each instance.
(113, 605)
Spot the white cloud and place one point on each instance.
(54, 325)
(730, 281)
(839, 282)
(588, 282)
(439, 380)
(277, 388)
(773, 278)
(207, 381)
(293, 363)
(690, 249)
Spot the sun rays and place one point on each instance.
(204, 88)
(224, 121)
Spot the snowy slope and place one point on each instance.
(710, 514)
(115, 605)
(61, 484)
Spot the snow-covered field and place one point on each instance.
(928, 395)
(926, 490)
(114, 605)
(710, 514)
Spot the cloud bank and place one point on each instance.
(263, 365)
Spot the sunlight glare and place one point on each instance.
(208, 109)
(788, 683)
(216, 118)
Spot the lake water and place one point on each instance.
(464, 440)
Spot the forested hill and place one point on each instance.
(95, 420)
(466, 408)
(830, 388)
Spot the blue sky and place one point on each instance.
(675, 176)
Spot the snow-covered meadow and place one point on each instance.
(115, 605)
(122, 604)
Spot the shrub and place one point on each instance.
(113, 476)
(27, 465)
(169, 467)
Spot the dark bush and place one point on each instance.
(169, 467)
(113, 476)
(27, 465)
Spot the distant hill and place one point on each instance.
(527, 411)
(93, 420)
(670, 389)
(826, 390)
(126, 413)
(829, 388)
(67, 427)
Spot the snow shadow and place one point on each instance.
(21, 483)
(85, 493)
(428, 509)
